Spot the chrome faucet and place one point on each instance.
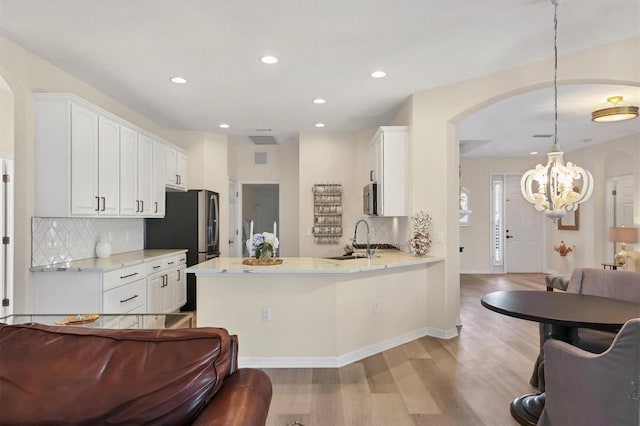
(355, 232)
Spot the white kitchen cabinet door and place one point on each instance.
(388, 158)
(159, 175)
(84, 161)
(145, 175)
(181, 169)
(181, 287)
(155, 286)
(169, 291)
(171, 171)
(108, 167)
(129, 204)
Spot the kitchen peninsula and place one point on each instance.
(313, 312)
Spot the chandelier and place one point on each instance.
(555, 188)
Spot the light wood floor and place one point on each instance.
(469, 380)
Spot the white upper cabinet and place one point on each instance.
(84, 161)
(388, 159)
(159, 174)
(77, 159)
(181, 169)
(145, 174)
(91, 163)
(176, 176)
(108, 167)
(129, 201)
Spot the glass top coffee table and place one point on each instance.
(115, 321)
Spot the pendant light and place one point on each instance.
(615, 112)
(554, 188)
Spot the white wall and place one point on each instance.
(282, 168)
(331, 157)
(6, 119)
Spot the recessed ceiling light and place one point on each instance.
(319, 101)
(269, 60)
(224, 126)
(534, 153)
(178, 80)
(378, 74)
(319, 124)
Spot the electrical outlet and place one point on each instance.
(376, 307)
(266, 314)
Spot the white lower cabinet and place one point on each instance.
(157, 285)
(166, 284)
(73, 292)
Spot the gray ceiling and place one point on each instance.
(130, 49)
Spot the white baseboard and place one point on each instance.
(478, 271)
(348, 358)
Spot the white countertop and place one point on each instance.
(115, 261)
(312, 265)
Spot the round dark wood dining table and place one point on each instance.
(566, 313)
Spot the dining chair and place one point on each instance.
(587, 389)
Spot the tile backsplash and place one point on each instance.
(390, 230)
(55, 240)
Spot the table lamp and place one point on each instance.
(620, 234)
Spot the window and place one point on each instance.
(497, 218)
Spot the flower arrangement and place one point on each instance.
(262, 246)
(563, 249)
(420, 243)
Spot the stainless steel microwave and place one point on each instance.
(370, 199)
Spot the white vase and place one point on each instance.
(103, 248)
(565, 264)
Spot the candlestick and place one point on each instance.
(275, 228)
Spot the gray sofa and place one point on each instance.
(623, 285)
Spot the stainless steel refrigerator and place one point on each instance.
(192, 222)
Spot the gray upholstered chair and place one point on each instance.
(586, 389)
(623, 285)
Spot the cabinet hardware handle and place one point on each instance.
(170, 263)
(371, 175)
(98, 206)
(182, 260)
(141, 206)
(130, 298)
(177, 179)
(156, 267)
(178, 274)
(128, 276)
(104, 203)
(137, 206)
(156, 203)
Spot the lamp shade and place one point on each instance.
(620, 234)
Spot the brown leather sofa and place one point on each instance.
(84, 376)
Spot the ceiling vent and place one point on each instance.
(263, 140)
(259, 158)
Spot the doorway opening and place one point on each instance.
(260, 204)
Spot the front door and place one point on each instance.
(524, 231)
